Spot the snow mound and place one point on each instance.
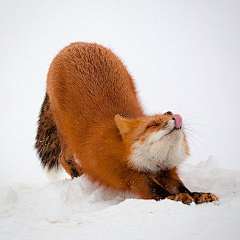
(77, 209)
(7, 195)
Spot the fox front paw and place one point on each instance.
(183, 197)
(204, 197)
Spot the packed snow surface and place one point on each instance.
(77, 209)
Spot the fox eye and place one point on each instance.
(153, 125)
(168, 113)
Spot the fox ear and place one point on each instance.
(124, 124)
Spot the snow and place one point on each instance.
(78, 209)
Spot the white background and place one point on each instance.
(183, 55)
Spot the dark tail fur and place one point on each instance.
(47, 141)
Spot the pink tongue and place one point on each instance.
(178, 121)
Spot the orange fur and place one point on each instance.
(88, 86)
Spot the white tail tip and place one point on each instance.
(54, 174)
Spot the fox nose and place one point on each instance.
(178, 121)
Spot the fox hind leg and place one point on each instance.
(70, 165)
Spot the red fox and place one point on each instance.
(92, 122)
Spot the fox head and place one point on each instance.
(155, 142)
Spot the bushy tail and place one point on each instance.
(47, 141)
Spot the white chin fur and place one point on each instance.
(159, 151)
